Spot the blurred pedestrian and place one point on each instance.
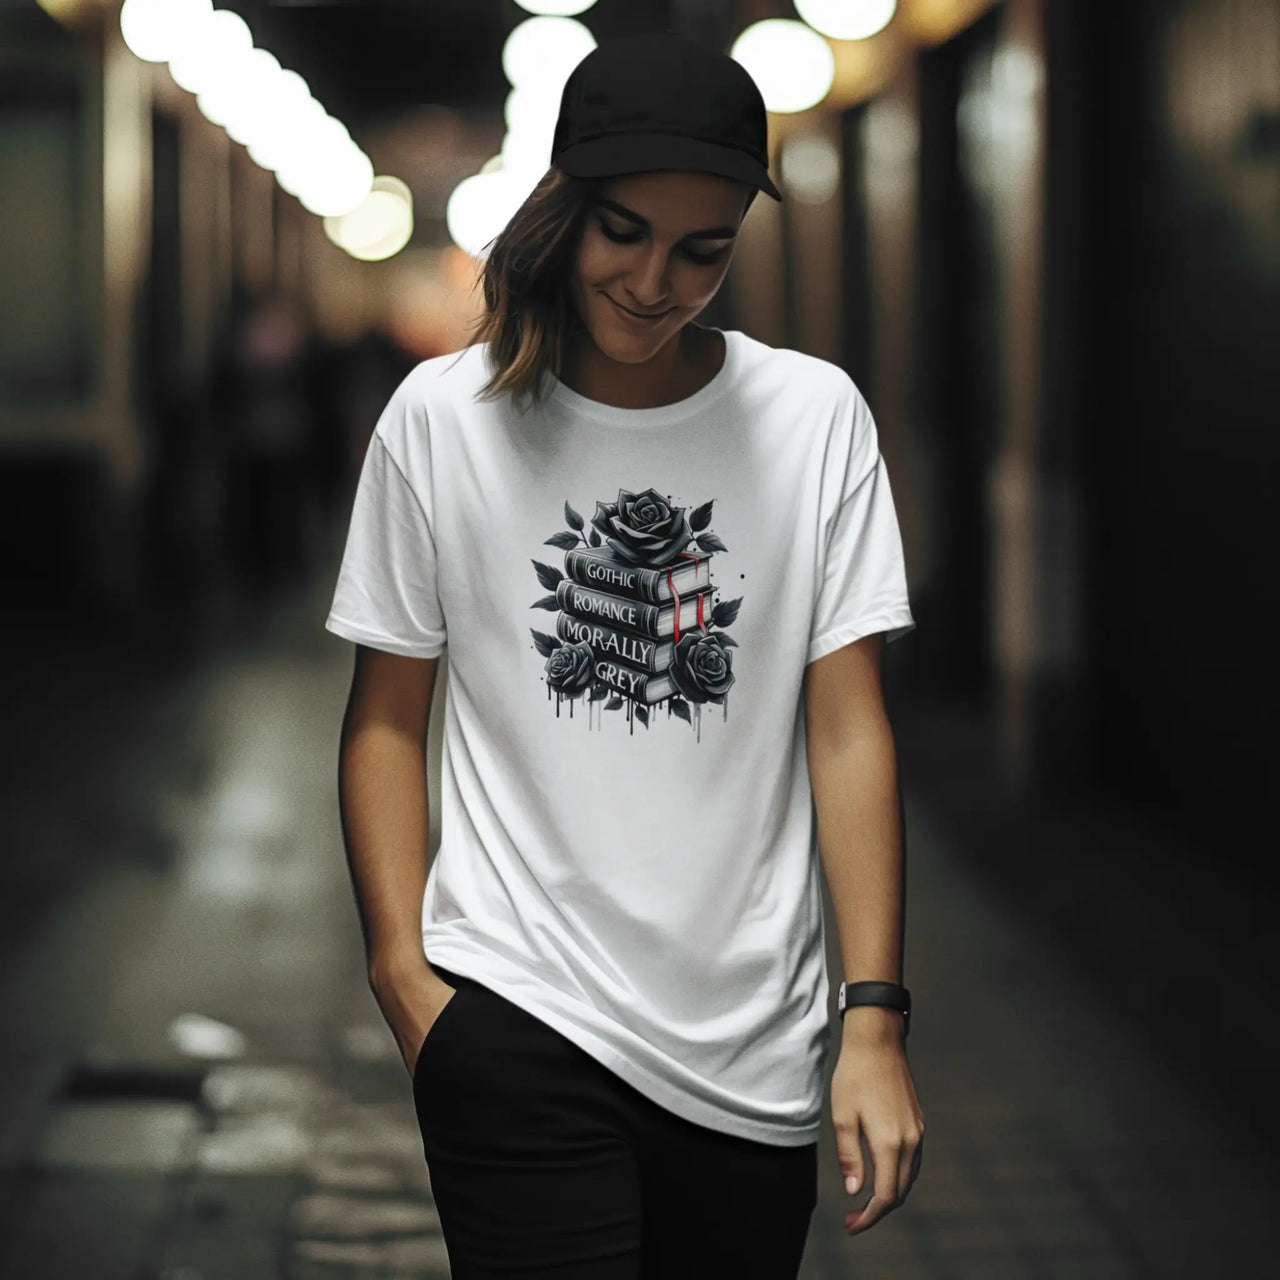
(610, 988)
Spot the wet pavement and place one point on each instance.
(198, 1084)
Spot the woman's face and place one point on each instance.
(658, 244)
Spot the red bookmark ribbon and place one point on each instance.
(675, 596)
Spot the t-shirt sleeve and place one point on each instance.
(386, 595)
(863, 588)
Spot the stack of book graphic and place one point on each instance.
(632, 616)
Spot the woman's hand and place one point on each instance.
(872, 1094)
(411, 997)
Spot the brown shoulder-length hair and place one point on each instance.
(526, 279)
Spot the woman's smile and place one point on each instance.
(633, 317)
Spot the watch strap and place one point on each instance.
(889, 994)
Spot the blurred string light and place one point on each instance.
(847, 19)
(477, 209)
(156, 30)
(380, 226)
(996, 118)
(542, 51)
(792, 64)
(556, 8)
(890, 148)
(810, 168)
(537, 57)
(197, 65)
(271, 112)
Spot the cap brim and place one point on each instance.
(617, 154)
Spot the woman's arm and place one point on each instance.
(854, 777)
(383, 800)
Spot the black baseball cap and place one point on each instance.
(662, 101)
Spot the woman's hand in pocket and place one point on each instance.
(411, 998)
(420, 1039)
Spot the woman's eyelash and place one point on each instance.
(618, 237)
(702, 259)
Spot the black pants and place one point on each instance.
(545, 1163)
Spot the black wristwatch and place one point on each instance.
(884, 993)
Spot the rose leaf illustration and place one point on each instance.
(599, 690)
(725, 612)
(710, 542)
(679, 707)
(547, 602)
(701, 517)
(613, 704)
(642, 714)
(574, 520)
(565, 541)
(594, 538)
(725, 637)
(548, 575)
(545, 644)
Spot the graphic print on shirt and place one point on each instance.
(635, 618)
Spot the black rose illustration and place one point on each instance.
(702, 668)
(643, 528)
(569, 669)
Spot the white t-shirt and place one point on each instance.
(628, 840)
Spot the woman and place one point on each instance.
(610, 989)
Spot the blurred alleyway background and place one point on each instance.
(1044, 239)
